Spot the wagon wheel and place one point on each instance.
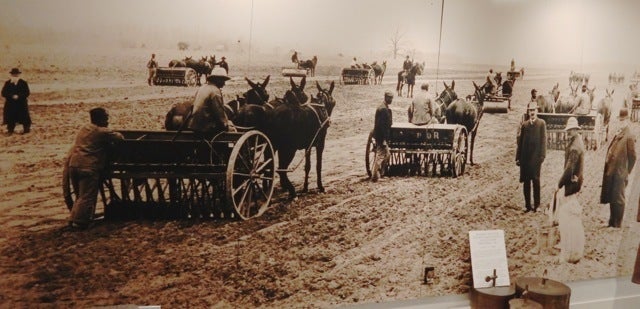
(370, 154)
(251, 175)
(190, 78)
(68, 192)
(459, 159)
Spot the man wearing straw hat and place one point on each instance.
(16, 109)
(208, 117)
(530, 153)
(570, 214)
(621, 156)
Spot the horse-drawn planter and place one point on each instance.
(635, 109)
(429, 150)
(592, 130)
(355, 76)
(170, 174)
(176, 76)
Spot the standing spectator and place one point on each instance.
(422, 110)
(570, 214)
(16, 105)
(85, 164)
(152, 65)
(294, 57)
(223, 64)
(208, 117)
(530, 153)
(621, 156)
(381, 133)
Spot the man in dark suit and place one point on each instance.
(16, 109)
(381, 133)
(530, 153)
(621, 156)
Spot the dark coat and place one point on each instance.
(573, 166)
(16, 110)
(621, 156)
(383, 122)
(531, 149)
(208, 111)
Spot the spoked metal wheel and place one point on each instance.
(251, 175)
(190, 78)
(370, 154)
(459, 158)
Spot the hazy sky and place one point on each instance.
(484, 31)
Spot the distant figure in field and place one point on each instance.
(16, 109)
(354, 63)
(294, 57)
(152, 65)
(223, 64)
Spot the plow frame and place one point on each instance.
(351, 76)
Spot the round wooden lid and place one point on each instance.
(542, 286)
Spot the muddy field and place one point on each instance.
(360, 242)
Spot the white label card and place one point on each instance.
(488, 252)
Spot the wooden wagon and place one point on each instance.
(592, 130)
(428, 150)
(350, 76)
(166, 174)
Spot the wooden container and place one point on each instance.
(493, 297)
(524, 303)
(549, 293)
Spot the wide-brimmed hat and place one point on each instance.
(623, 114)
(218, 73)
(532, 105)
(572, 123)
(15, 71)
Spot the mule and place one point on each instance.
(467, 113)
(202, 67)
(547, 102)
(604, 109)
(295, 125)
(463, 112)
(309, 65)
(178, 114)
(409, 78)
(379, 70)
(175, 63)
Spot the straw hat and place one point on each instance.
(572, 123)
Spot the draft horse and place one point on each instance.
(379, 71)
(409, 78)
(295, 125)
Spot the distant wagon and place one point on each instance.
(356, 76)
(166, 174)
(592, 130)
(635, 109)
(176, 76)
(428, 150)
(294, 72)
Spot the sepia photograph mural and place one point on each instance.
(187, 219)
